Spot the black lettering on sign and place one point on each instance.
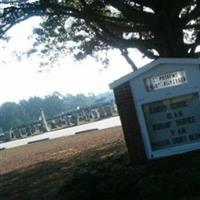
(178, 114)
(195, 136)
(181, 131)
(173, 132)
(183, 79)
(161, 126)
(187, 120)
(169, 116)
(175, 115)
(177, 81)
(180, 104)
(158, 108)
(161, 143)
(179, 140)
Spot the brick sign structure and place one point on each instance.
(159, 106)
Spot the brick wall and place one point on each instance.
(131, 129)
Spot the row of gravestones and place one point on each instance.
(64, 120)
(83, 115)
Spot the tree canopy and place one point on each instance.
(157, 28)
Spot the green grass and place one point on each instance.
(105, 173)
(114, 178)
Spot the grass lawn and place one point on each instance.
(94, 166)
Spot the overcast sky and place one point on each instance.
(22, 79)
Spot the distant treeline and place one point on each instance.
(27, 111)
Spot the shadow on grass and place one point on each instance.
(44, 180)
(105, 174)
(171, 178)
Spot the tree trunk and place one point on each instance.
(125, 53)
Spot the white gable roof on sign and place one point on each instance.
(146, 68)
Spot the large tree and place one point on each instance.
(157, 28)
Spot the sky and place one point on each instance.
(23, 79)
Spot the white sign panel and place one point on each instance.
(165, 80)
(173, 122)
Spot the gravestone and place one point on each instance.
(43, 121)
(159, 106)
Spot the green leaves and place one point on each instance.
(88, 27)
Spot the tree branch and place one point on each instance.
(132, 13)
(13, 15)
(195, 45)
(193, 15)
(125, 54)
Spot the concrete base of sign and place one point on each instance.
(130, 124)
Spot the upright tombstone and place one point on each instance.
(43, 120)
(159, 106)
